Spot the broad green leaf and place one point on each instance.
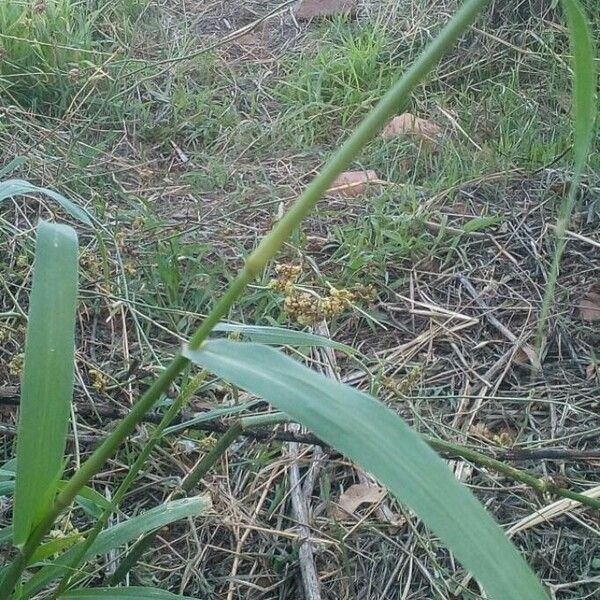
(119, 535)
(585, 103)
(280, 336)
(128, 593)
(20, 187)
(382, 443)
(47, 385)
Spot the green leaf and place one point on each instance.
(128, 593)
(481, 223)
(382, 443)
(585, 103)
(90, 500)
(585, 107)
(279, 336)
(119, 535)
(47, 386)
(20, 187)
(55, 546)
(5, 534)
(15, 163)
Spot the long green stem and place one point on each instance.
(266, 250)
(450, 449)
(540, 485)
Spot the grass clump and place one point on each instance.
(326, 91)
(46, 47)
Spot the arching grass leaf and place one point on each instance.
(382, 443)
(20, 187)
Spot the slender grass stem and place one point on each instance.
(134, 470)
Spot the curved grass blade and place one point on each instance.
(382, 443)
(585, 107)
(20, 187)
(119, 535)
(47, 386)
(280, 336)
(129, 593)
(15, 163)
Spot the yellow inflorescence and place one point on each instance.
(15, 365)
(309, 308)
(98, 379)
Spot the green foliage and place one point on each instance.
(330, 91)
(348, 73)
(119, 535)
(46, 52)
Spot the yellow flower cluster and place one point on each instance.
(407, 383)
(98, 379)
(15, 365)
(309, 308)
(287, 275)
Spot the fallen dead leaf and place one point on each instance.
(409, 124)
(310, 9)
(356, 495)
(589, 307)
(353, 183)
(591, 371)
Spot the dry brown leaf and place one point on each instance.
(353, 183)
(310, 9)
(408, 124)
(589, 307)
(591, 371)
(360, 493)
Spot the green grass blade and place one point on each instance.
(585, 107)
(19, 187)
(5, 534)
(119, 535)
(129, 593)
(15, 163)
(280, 336)
(381, 442)
(47, 386)
(585, 103)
